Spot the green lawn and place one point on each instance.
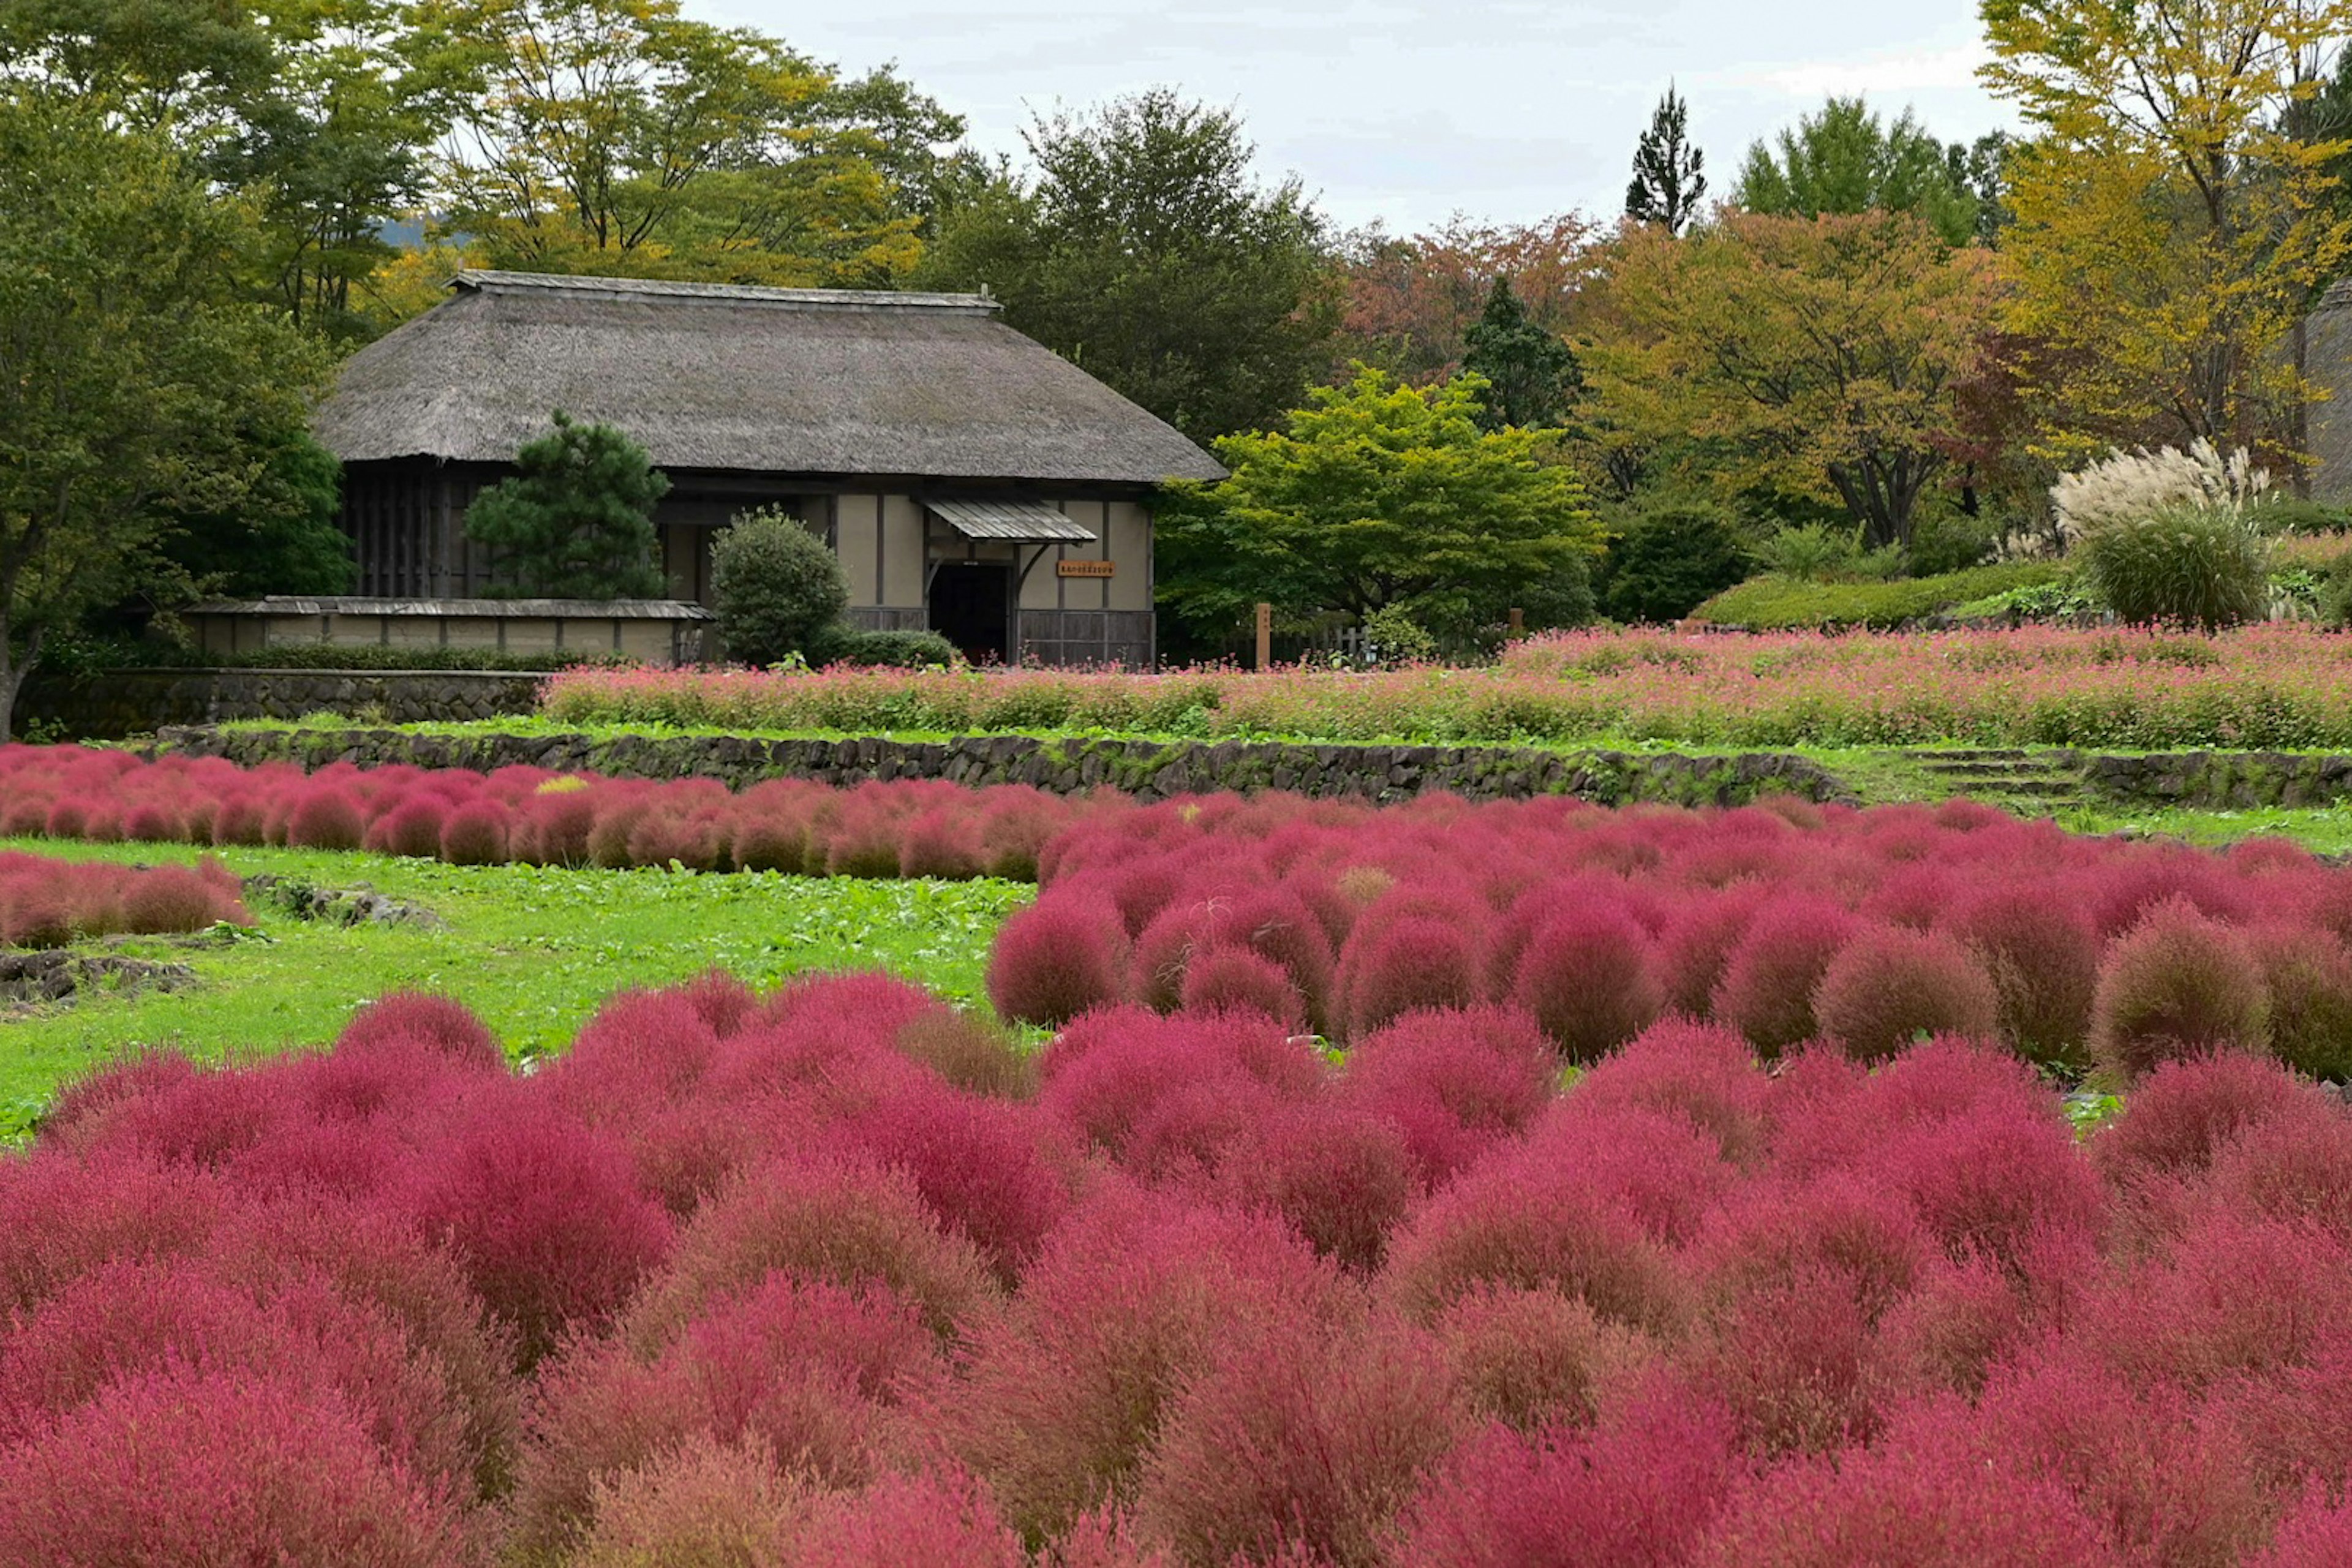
(533, 950)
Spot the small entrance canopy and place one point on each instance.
(1019, 522)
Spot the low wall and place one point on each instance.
(2221, 780)
(1150, 770)
(115, 703)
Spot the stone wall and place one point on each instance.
(2221, 780)
(121, 703)
(1150, 770)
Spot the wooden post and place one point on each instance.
(1518, 623)
(1264, 635)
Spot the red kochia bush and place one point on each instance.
(1303, 1442)
(928, 1520)
(2176, 984)
(2183, 1110)
(2043, 957)
(1766, 989)
(416, 1018)
(184, 1467)
(1055, 959)
(1888, 986)
(544, 1214)
(1638, 1490)
(1066, 1390)
(1588, 977)
(1453, 1082)
(1411, 952)
(1698, 1072)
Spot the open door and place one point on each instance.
(971, 606)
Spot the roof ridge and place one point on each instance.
(492, 280)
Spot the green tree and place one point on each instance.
(1147, 251)
(1531, 375)
(129, 368)
(620, 137)
(1670, 557)
(1376, 496)
(1845, 159)
(776, 587)
(1669, 174)
(1816, 358)
(576, 520)
(283, 536)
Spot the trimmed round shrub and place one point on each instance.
(1057, 959)
(2177, 984)
(2182, 1111)
(184, 1467)
(1225, 978)
(1587, 977)
(2309, 973)
(1766, 989)
(1302, 1443)
(1702, 1073)
(704, 1504)
(774, 585)
(1889, 986)
(326, 819)
(1669, 558)
(1416, 959)
(440, 1024)
(2043, 958)
(1530, 1358)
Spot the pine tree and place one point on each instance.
(1531, 375)
(1668, 177)
(576, 520)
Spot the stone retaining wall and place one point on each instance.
(2221, 780)
(121, 703)
(1150, 770)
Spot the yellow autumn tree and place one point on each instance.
(1812, 356)
(2170, 227)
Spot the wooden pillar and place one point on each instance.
(1519, 622)
(1264, 635)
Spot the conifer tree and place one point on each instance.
(1669, 176)
(576, 520)
(1531, 375)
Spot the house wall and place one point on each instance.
(407, 525)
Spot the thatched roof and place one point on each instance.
(774, 381)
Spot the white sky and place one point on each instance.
(1410, 109)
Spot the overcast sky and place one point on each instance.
(1410, 109)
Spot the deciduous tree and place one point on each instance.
(2170, 226)
(1846, 159)
(132, 374)
(1411, 302)
(1147, 251)
(621, 137)
(1377, 496)
(1816, 356)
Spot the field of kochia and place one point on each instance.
(1478, 1185)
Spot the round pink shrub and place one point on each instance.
(474, 835)
(1055, 959)
(1065, 1392)
(326, 819)
(1889, 985)
(1342, 1176)
(2182, 1111)
(932, 1520)
(2043, 957)
(544, 1214)
(2309, 976)
(1407, 953)
(1532, 1358)
(412, 828)
(1766, 989)
(2314, 1536)
(1640, 1490)
(2177, 984)
(183, 1467)
(417, 1017)
(1453, 1082)
(816, 1218)
(1227, 979)
(1698, 1071)
(1302, 1442)
(1589, 979)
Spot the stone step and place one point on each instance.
(2030, 789)
(1981, 770)
(1974, 753)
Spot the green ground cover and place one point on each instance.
(533, 950)
(1784, 604)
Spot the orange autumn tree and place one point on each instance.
(1812, 356)
(1409, 303)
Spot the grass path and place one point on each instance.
(533, 950)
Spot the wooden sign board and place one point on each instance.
(1085, 568)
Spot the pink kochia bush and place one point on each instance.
(1784, 923)
(907, 828)
(50, 903)
(823, 1277)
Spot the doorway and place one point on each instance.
(971, 606)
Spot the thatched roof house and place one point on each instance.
(971, 480)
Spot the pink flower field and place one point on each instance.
(1489, 1186)
(2272, 686)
